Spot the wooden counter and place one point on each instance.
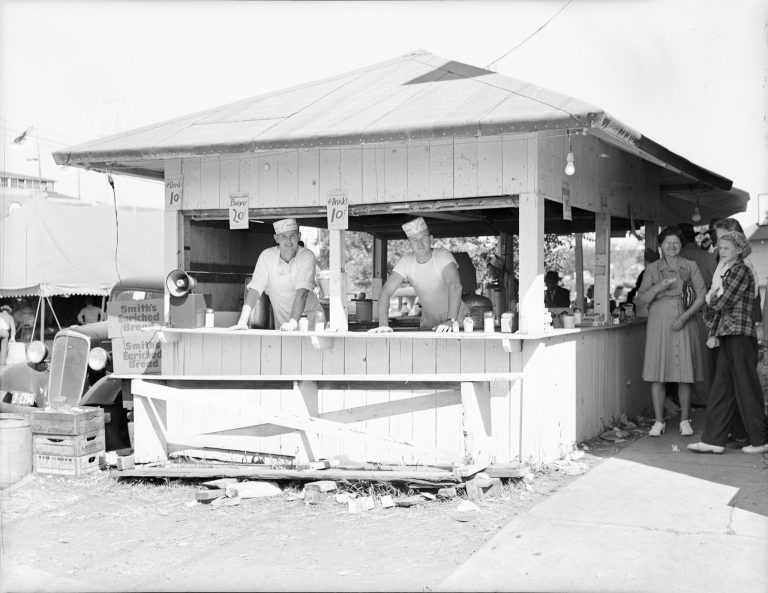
(504, 396)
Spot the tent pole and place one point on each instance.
(42, 318)
(56, 317)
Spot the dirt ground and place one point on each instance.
(98, 533)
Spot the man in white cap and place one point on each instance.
(287, 274)
(434, 275)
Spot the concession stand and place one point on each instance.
(475, 153)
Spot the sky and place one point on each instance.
(689, 74)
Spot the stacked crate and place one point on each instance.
(67, 443)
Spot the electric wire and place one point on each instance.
(562, 8)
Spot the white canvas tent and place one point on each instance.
(51, 248)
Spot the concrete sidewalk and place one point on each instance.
(650, 519)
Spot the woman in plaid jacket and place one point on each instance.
(736, 388)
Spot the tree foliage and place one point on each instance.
(558, 255)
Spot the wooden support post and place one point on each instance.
(379, 256)
(579, 257)
(652, 236)
(308, 405)
(175, 256)
(476, 408)
(508, 282)
(338, 320)
(531, 263)
(603, 263)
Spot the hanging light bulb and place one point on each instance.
(696, 217)
(570, 169)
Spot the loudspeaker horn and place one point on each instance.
(179, 283)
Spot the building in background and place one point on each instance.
(17, 189)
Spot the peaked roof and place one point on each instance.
(415, 96)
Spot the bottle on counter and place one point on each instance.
(320, 321)
(209, 318)
(303, 323)
(469, 324)
(488, 322)
(507, 322)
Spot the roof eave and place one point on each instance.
(615, 132)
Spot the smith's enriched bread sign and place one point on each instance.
(134, 349)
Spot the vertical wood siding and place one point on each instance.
(385, 172)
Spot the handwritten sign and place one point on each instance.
(567, 213)
(174, 193)
(338, 210)
(238, 210)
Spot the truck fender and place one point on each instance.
(104, 392)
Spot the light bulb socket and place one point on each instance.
(696, 217)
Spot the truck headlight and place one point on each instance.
(36, 352)
(97, 358)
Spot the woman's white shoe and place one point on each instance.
(685, 428)
(657, 429)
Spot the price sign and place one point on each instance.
(174, 193)
(338, 210)
(238, 210)
(567, 212)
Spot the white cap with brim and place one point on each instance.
(285, 225)
(415, 227)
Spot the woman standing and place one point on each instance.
(672, 348)
(736, 388)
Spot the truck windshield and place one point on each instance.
(137, 295)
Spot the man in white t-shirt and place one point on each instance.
(434, 275)
(287, 274)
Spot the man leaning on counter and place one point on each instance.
(434, 275)
(287, 274)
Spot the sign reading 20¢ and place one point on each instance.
(338, 209)
(238, 210)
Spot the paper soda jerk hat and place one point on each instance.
(285, 225)
(415, 226)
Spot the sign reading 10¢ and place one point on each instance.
(174, 193)
(338, 210)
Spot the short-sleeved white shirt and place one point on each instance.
(281, 279)
(427, 281)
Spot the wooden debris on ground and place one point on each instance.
(220, 483)
(209, 495)
(449, 492)
(483, 486)
(256, 489)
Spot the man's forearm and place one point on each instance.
(299, 302)
(251, 298)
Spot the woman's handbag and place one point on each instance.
(688, 295)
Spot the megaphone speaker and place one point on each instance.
(179, 283)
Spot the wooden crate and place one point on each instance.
(66, 445)
(66, 466)
(75, 422)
